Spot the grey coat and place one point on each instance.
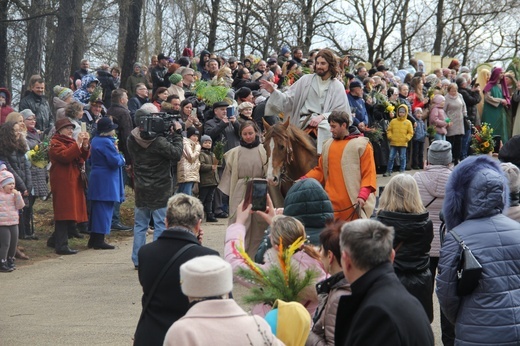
(477, 195)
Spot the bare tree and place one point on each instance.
(132, 38)
(62, 55)
(33, 60)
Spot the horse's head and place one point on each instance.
(279, 150)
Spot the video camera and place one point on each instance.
(157, 124)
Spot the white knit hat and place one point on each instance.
(206, 276)
(513, 175)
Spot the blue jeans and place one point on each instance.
(439, 137)
(185, 188)
(402, 158)
(142, 219)
(466, 141)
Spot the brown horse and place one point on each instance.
(290, 154)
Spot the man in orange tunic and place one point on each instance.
(347, 170)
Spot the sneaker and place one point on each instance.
(4, 268)
(401, 172)
(387, 174)
(222, 215)
(10, 263)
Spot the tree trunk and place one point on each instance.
(440, 28)
(213, 24)
(35, 42)
(158, 26)
(78, 48)
(132, 39)
(3, 43)
(124, 6)
(62, 52)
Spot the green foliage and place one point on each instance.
(273, 285)
(210, 93)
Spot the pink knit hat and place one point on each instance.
(6, 177)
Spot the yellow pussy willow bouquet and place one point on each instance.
(39, 155)
(278, 281)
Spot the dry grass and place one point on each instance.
(37, 250)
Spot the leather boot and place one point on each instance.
(83, 227)
(50, 242)
(98, 242)
(74, 233)
(61, 240)
(211, 218)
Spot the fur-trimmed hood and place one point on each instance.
(477, 188)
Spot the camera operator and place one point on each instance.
(152, 158)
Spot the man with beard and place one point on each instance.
(349, 152)
(309, 101)
(160, 73)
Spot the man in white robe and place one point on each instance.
(318, 94)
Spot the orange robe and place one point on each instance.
(338, 173)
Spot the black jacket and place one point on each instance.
(151, 163)
(471, 99)
(121, 117)
(40, 106)
(412, 243)
(381, 312)
(20, 167)
(168, 303)
(221, 131)
(107, 83)
(160, 78)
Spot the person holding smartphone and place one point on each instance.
(244, 163)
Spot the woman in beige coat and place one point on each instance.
(243, 163)
(189, 164)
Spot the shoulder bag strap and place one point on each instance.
(433, 200)
(160, 277)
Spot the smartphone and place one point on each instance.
(83, 127)
(259, 195)
(230, 111)
(194, 112)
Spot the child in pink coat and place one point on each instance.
(11, 201)
(438, 117)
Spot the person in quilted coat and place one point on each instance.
(475, 204)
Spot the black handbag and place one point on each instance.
(469, 270)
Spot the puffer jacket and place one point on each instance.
(152, 160)
(189, 164)
(20, 167)
(39, 175)
(477, 195)
(438, 119)
(329, 291)
(40, 106)
(10, 204)
(208, 177)
(399, 132)
(432, 188)
(82, 94)
(308, 202)
(412, 239)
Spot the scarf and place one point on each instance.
(251, 145)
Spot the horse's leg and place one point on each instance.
(276, 195)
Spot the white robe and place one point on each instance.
(291, 103)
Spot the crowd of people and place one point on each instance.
(366, 281)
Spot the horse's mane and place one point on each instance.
(293, 133)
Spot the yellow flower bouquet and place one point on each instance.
(482, 140)
(39, 155)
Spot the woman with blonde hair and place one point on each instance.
(401, 207)
(285, 230)
(482, 79)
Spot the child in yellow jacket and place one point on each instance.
(399, 133)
